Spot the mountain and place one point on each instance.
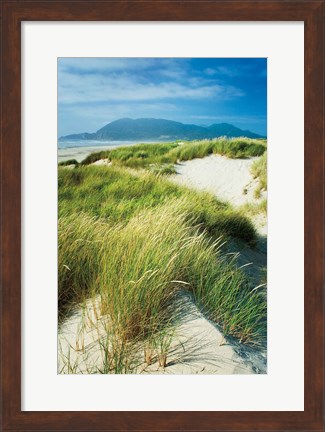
(158, 129)
(80, 136)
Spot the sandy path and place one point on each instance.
(197, 346)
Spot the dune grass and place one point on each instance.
(163, 169)
(69, 162)
(259, 171)
(138, 267)
(253, 209)
(135, 156)
(235, 148)
(116, 194)
(147, 155)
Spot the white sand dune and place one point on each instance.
(228, 179)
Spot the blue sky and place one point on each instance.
(95, 91)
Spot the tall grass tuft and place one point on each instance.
(69, 162)
(116, 195)
(137, 268)
(147, 155)
(234, 148)
(259, 171)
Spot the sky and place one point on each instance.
(95, 91)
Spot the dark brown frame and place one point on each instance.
(13, 13)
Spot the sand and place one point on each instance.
(197, 347)
(228, 179)
(79, 153)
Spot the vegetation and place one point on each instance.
(136, 156)
(235, 148)
(116, 195)
(69, 162)
(253, 209)
(147, 155)
(164, 169)
(259, 171)
(138, 267)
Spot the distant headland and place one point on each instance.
(164, 130)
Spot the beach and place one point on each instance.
(79, 150)
(198, 345)
(79, 153)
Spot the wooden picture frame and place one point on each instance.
(14, 12)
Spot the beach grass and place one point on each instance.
(135, 156)
(69, 162)
(253, 209)
(138, 267)
(116, 194)
(235, 148)
(148, 155)
(259, 171)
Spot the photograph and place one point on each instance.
(162, 215)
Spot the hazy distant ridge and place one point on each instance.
(150, 128)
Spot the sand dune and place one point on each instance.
(198, 345)
(227, 179)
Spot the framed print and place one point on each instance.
(162, 215)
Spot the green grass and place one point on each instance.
(135, 156)
(163, 169)
(259, 171)
(147, 155)
(138, 267)
(116, 195)
(236, 148)
(69, 162)
(253, 209)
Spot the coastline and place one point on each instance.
(80, 152)
(73, 150)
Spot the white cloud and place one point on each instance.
(234, 119)
(164, 66)
(97, 65)
(76, 88)
(222, 70)
(86, 80)
(114, 111)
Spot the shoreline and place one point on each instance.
(80, 152)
